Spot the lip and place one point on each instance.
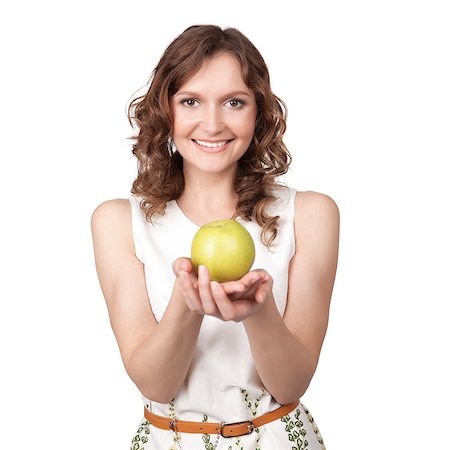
(213, 141)
(212, 150)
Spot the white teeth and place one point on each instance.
(211, 144)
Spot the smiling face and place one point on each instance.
(214, 115)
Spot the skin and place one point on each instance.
(292, 341)
(212, 114)
(285, 349)
(202, 109)
(233, 300)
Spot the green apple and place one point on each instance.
(225, 247)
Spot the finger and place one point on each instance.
(244, 309)
(233, 286)
(181, 263)
(245, 283)
(204, 290)
(181, 282)
(265, 276)
(190, 293)
(250, 293)
(252, 278)
(192, 275)
(223, 303)
(260, 275)
(261, 293)
(245, 287)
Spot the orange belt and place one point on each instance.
(225, 429)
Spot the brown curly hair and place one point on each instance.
(160, 169)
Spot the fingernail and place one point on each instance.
(201, 269)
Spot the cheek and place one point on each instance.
(242, 124)
(183, 122)
(245, 125)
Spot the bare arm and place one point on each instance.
(161, 362)
(286, 350)
(156, 356)
(283, 364)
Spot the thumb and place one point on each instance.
(182, 263)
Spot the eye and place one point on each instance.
(188, 102)
(236, 103)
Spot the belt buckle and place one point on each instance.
(173, 425)
(251, 427)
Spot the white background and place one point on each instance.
(367, 90)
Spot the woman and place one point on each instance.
(218, 364)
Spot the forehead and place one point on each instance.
(219, 72)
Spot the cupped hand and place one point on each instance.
(231, 300)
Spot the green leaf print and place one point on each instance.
(289, 426)
(295, 432)
(314, 427)
(207, 437)
(140, 437)
(252, 405)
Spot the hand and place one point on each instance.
(231, 300)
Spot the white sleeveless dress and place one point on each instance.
(222, 383)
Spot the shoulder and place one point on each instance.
(111, 214)
(305, 200)
(116, 206)
(111, 225)
(315, 212)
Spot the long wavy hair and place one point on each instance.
(160, 169)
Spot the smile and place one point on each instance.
(211, 147)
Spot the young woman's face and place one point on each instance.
(214, 116)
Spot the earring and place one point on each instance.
(171, 146)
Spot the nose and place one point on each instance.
(212, 120)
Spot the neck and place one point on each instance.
(208, 191)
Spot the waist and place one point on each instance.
(225, 429)
(215, 406)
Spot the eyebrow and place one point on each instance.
(196, 94)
